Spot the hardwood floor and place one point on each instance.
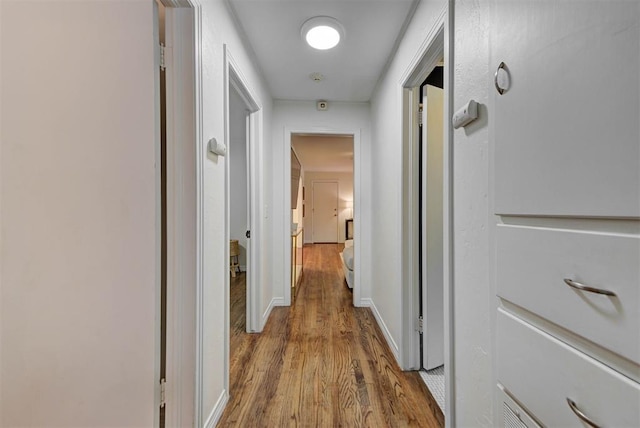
(238, 312)
(322, 363)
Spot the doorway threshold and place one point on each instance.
(434, 379)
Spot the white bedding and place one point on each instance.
(347, 257)
(347, 262)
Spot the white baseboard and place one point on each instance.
(276, 301)
(365, 303)
(216, 412)
(385, 330)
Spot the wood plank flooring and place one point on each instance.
(321, 362)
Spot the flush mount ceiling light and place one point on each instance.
(322, 32)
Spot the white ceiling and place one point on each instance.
(324, 153)
(351, 70)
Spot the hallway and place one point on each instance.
(322, 362)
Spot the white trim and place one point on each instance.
(200, 158)
(181, 181)
(357, 192)
(218, 409)
(448, 224)
(277, 301)
(437, 43)
(158, 216)
(385, 330)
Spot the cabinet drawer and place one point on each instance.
(541, 373)
(510, 414)
(533, 263)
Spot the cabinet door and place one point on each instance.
(566, 132)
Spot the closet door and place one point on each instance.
(567, 140)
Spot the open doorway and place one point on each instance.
(426, 233)
(243, 190)
(430, 245)
(239, 206)
(243, 117)
(325, 210)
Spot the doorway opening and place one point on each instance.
(327, 205)
(239, 205)
(427, 272)
(243, 191)
(323, 210)
(430, 225)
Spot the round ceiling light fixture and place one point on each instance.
(322, 32)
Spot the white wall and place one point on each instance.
(238, 173)
(473, 296)
(345, 193)
(79, 252)
(472, 291)
(303, 116)
(386, 112)
(79, 297)
(218, 29)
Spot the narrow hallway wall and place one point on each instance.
(79, 279)
(219, 29)
(473, 297)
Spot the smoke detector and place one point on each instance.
(316, 77)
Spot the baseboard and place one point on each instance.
(216, 412)
(365, 303)
(276, 301)
(385, 330)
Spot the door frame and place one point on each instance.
(183, 395)
(234, 78)
(357, 191)
(313, 207)
(429, 353)
(437, 44)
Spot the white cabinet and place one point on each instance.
(543, 372)
(532, 264)
(565, 144)
(566, 132)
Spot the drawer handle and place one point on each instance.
(579, 286)
(581, 415)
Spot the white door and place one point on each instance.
(432, 230)
(325, 211)
(566, 129)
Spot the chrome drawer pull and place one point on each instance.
(581, 415)
(579, 286)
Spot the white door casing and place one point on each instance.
(325, 211)
(358, 301)
(437, 44)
